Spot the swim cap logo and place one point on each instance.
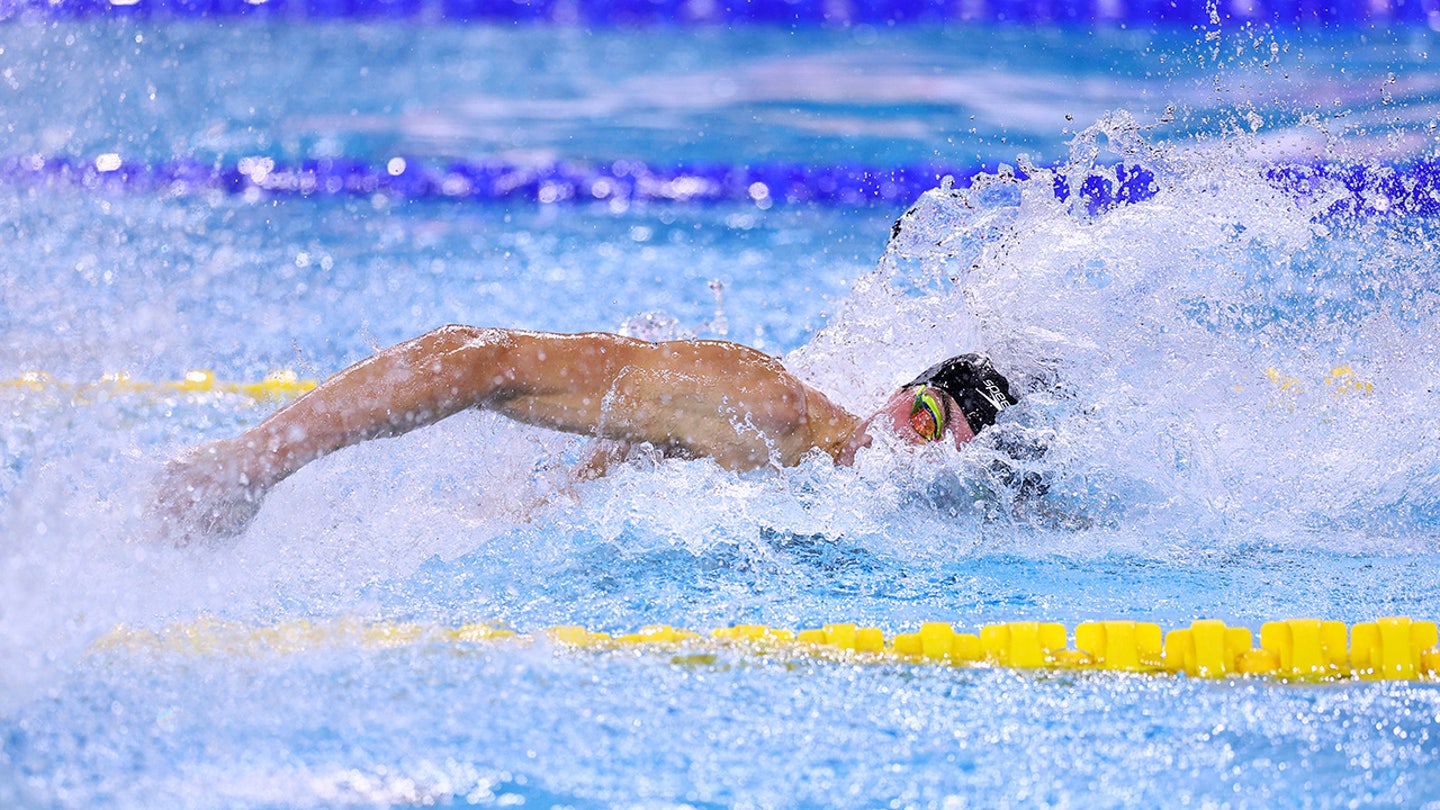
(994, 395)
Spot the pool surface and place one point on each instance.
(1231, 381)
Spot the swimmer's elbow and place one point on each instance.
(473, 364)
(456, 337)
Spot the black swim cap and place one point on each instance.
(970, 380)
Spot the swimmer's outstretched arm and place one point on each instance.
(558, 381)
(399, 389)
(701, 398)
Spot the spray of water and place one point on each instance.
(1223, 362)
(1219, 366)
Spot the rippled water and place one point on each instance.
(1191, 458)
(960, 95)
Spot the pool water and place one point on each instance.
(1196, 461)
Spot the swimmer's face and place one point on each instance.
(918, 415)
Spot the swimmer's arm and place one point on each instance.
(604, 455)
(557, 381)
(424, 380)
(596, 384)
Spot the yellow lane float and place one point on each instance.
(277, 386)
(1294, 650)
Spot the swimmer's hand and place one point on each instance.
(205, 493)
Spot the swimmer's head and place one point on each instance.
(956, 399)
(973, 384)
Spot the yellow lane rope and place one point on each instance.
(1306, 650)
(277, 386)
(1392, 648)
(1342, 380)
(284, 384)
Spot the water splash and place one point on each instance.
(1165, 343)
(1182, 358)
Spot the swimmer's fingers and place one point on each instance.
(202, 494)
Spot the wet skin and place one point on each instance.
(691, 399)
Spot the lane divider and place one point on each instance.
(282, 385)
(754, 12)
(1293, 650)
(1411, 188)
(489, 180)
(276, 387)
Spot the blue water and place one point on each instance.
(817, 96)
(1181, 481)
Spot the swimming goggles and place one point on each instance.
(927, 415)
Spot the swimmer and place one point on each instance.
(687, 398)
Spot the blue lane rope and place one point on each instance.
(1408, 189)
(763, 12)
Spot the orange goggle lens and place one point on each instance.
(927, 416)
